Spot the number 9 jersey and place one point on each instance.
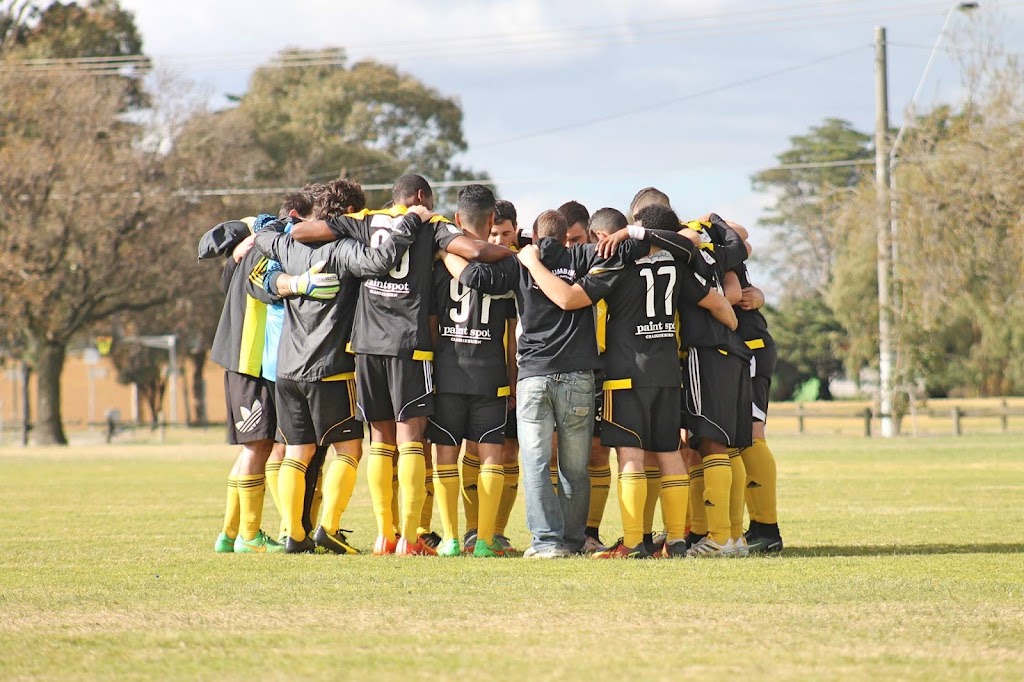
(392, 315)
(471, 355)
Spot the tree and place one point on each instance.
(807, 332)
(79, 215)
(806, 199)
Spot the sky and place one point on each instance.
(593, 99)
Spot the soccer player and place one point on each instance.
(238, 348)
(557, 356)
(472, 386)
(314, 390)
(393, 346)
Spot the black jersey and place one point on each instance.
(392, 315)
(641, 348)
(752, 325)
(697, 326)
(470, 357)
(316, 332)
(551, 340)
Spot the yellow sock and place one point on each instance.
(379, 472)
(339, 482)
(508, 498)
(553, 470)
(653, 475)
(675, 498)
(412, 484)
(427, 513)
(717, 486)
(396, 498)
(446, 488)
(491, 482)
(632, 503)
(698, 517)
(762, 482)
(469, 472)
(739, 480)
(273, 470)
(292, 489)
(316, 503)
(250, 504)
(600, 486)
(231, 510)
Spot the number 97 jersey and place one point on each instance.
(470, 357)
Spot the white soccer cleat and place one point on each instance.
(709, 548)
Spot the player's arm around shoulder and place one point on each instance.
(357, 259)
(563, 294)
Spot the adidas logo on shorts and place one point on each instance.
(250, 418)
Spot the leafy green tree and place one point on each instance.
(804, 247)
(807, 334)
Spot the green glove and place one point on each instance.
(314, 284)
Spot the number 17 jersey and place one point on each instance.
(471, 354)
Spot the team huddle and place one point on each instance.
(545, 347)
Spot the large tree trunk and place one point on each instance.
(49, 427)
(199, 386)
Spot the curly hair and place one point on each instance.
(339, 197)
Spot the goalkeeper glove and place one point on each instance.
(314, 284)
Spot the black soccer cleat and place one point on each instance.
(763, 538)
(431, 539)
(304, 546)
(693, 538)
(333, 544)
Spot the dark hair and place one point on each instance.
(574, 212)
(658, 217)
(476, 204)
(607, 220)
(339, 197)
(407, 186)
(646, 197)
(551, 224)
(505, 210)
(301, 202)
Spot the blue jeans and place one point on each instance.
(543, 404)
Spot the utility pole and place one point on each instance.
(882, 219)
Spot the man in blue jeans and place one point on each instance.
(557, 356)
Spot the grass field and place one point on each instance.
(904, 560)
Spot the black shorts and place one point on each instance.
(645, 418)
(317, 412)
(716, 397)
(393, 389)
(762, 366)
(511, 425)
(250, 408)
(476, 418)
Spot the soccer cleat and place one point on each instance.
(335, 544)
(593, 546)
(419, 548)
(482, 549)
(224, 544)
(674, 550)
(709, 548)
(431, 539)
(506, 545)
(449, 548)
(737, 547)
(260, 544)
(469, 541)
(384, 545)
(620, 551)
(763, 539)
(693, 538)
(303, 546)
(658, 543)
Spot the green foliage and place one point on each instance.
(807, 334)
(805, 241)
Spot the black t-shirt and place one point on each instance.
(470, 357)
(640, 336)
(392, 315)
(552, 340)
(698, 327)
